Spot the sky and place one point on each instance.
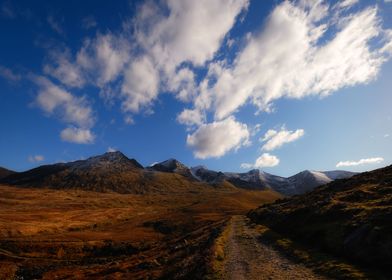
(233, 85)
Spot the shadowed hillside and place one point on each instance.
(4, 172)
(350, 218)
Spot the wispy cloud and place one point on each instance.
(36, 158)
(77, 135)
(363, 161)
(7, 11)
(55, 25)
(265, 160)
(275, 139)
(300, 67)
(158, 50)
(89, 22)
(9, 75)
(75, 111)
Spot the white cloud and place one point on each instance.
(190, 32)
(111, 150)
(275, 139)
(104, 57)
(360, 162)
(8, 74)
(386, 135)
(193, 30)
(191, 117)
(140, 87)
(346, 4)
(36, 158)
(54, 100)
(64, 70)
(292, 58)
(246, 165)
(77, 135)
(265, 160)
(128, 120)
(217, 138)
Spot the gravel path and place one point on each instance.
(247, 258)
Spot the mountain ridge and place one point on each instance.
(115, 171)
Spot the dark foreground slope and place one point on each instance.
(4, 172)
(350, 218)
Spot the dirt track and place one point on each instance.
(247, 258)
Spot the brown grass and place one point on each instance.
(80, 234)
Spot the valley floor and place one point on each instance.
(74, 234)
(245, 257)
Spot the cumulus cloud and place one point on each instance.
(191, 117)
(54, 100)
(74, 111)
(360, 162)
(36, 158)
(265, 160)
(217, 138)
(104, 57)
(193, 30)
(275, 139)
(140, 87)
(77, 135)
(293, 58)
(305, 48)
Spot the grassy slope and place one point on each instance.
(348, 218)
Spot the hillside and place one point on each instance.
(172, 166)
(349, 218)
(4, 172)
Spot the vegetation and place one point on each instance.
(349, 219)
(47, 233)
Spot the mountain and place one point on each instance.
(349, 218)
(255, 179)
(113, 171)
(203, 174)
(4, 172)
(108, 172)
(172, 166)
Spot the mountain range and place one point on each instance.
(113, 171)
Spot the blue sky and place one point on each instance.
(278, 85)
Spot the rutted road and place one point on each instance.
(247, 258)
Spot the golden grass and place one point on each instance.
(91, 234)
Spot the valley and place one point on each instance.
(108, 217)
(75, 234)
